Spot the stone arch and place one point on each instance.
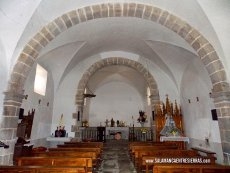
(29, 54)
(154, 93)
(199, 43)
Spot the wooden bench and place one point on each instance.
(41, 169)
(167, 143)
(148, 158)
(77, 146)
(207, 152)
(191, 168)
(97, 150)
(84, 162)
(149, 161)
(95, 157)
(137, 149)
(132, 144)
(96, 144)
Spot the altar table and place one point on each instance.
(179, 140)
(111, 131)
(174, 138)
(54, 141)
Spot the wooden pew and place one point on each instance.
(84, 162)
(77, 146)
(131, 144)
(141, 146)
(138, 144)
(96, 144)
(190, 168)
(41, 169)
(73, 149)
(207, 152)
(149, 161)
(95, 157)
(168, 143)
(148, 158)
(137, 149)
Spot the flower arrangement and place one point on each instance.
(85, 123)
(142, 116)
(144, 130)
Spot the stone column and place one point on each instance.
(222, 105)
(155, 99)
(9, 124)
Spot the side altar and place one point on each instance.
(169, 124)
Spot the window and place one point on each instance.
(40, 80)
(148, 94)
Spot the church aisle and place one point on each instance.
(116, 158)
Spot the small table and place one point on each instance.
(176, 139)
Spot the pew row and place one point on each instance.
(41, 169)
(190, 168)
(147, 158)
(95, 157)
(97, 150)
(148, 162)
(85, 163)
(136, 150)
(95, 144)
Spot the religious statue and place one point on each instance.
(57, 132)
(112, 122)
(106, 123)
(118, 123)
(142, 116)
(63, 132)
(170, 127)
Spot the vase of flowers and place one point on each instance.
(142, 119)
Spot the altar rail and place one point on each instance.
(134, 134)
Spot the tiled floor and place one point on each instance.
(116, 158)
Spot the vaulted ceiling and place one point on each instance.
(113, 36)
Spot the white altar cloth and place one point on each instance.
(174, 138)
(54, 141)
(59, 139)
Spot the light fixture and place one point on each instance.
(90, 94)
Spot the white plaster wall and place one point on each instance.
(221, 25)
(14, 16)
(117, 100)
(198, 121)
(43, 112)
(164, 83)
(3, 74)
(64, 101)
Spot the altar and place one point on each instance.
(111, 132)
(180, 141)
(54, 141)
(174, 138)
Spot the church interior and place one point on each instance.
(120, 73)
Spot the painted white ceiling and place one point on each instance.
(22, 19)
